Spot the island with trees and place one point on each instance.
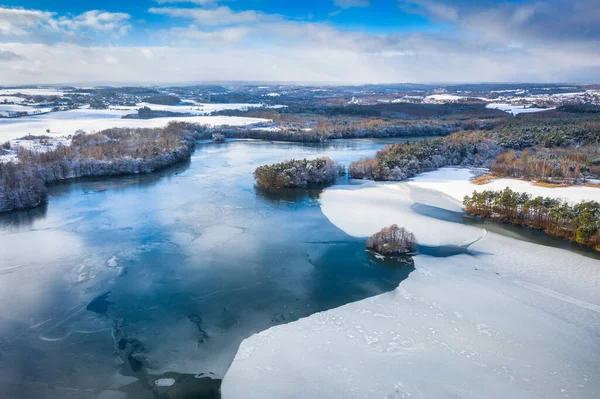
(392, 241)
(297, 173)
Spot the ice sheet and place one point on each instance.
(362, 210)
(455, 328)
(513, 319)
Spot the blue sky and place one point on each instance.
(344, 41)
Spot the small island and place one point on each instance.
(393, 241)
(297, 173)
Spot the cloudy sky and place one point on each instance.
(332, 41)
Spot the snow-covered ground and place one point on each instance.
(9, 109)
(190, 107)
(456, 183)
(510, 320)
(449, 98)
(32, 92)
(11, 99)
(91, 120)
(516, 109)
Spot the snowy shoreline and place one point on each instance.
(456, 183)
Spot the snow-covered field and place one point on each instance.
(456, 183)
(511, 319)
(191, 107)
(516, 109)
(91, 120)
(32, 92)
(11, 99)
(9, 109)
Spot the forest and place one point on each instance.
(561, 165)
(529, 147)
(297, 173)
(110, 152)
(578, 223)
(404, 160)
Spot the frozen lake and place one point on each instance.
(145, 287)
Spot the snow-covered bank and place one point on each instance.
(89, 120)
(514, 319)
(456, 183)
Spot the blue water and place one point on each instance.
(120, 280)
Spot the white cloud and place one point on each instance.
(109, 59)
(8, 56)
(18, 21)
(484, 42)
(351, 3)
(228, 35)
(100, 21)
(148, 53)
(35, 24)
(216, 16)
(412, 58)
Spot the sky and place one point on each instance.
(311, 41)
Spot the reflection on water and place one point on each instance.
(122, 285)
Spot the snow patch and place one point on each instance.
(516, 109)
(164, 382)
(456, 183)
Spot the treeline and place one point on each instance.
(110, 152)
(404, 160)
(578, 223)
(557, 165)
(580, 108)
(322, 133)
(297, 173)
(530, 131)
(563, 149)
(162, 99)
(316, 127)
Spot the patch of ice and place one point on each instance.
(112, 262)
(164, 382)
